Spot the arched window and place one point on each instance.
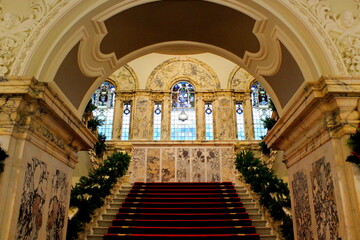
(183, 119)
(103, 99)
(260, 109)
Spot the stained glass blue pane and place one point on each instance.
(183, 95)
(103, 99)
(209, 132)
(260, 109)
(125, 129)
(157, 121)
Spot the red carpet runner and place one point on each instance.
(182, 211)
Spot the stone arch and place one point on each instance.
(298, 37)
(198, 73)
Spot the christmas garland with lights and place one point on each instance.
(89, 193)
(354, 144)
(274, 192)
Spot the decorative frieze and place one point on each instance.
(191, 162)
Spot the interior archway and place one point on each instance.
(106, 36)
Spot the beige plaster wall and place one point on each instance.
(82, 168)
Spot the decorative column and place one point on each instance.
(248, 119)
(42, 136)
(200, 117)
(141, 116)
(118, 110)
(166, 115)
(312, 132)
(224, 116)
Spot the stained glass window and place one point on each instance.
(240, 121)
(183, 119)
(157, 120)
(125, 129)
(209, 126)
(103, 99)
(260, 109)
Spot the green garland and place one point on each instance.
(90, 192)
(354, 143)
(274, 192)
(100, 146)
(3, 156)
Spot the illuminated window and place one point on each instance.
(209, 126)
(103, 99)
(183, 120)
(125, 129)
(157, 121)
(240, 121)
(260, 109)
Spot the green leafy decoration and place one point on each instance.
(3, 156)
(90, 107)
(100, 146)
(274, 192)
(263, 148)
(268, 123)
(354, 144)
(94, 123)
(89, 193)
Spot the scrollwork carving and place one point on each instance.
(344, 30)
(15, 31)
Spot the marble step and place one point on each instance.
(95, 237)
(101, 230)
(259, 223)
(268, 237)
(263, 230)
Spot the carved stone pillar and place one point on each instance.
(312, 132)
(141, 117)
(166, 115)
(118, 110)
(42, 136)
(200, 118)
(248, 119)
(224, 116)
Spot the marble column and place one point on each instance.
(42, 136)
(313, 131)
(142, 109)
(248, 119)
(224, 117)
(118, 110)
(166, 117)
(200, 118)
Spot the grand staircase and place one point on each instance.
(182, 211)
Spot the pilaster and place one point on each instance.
(200, 117)
(248, 119)
(42, 137)
(224, 116)
(312, 132)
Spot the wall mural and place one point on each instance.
(32, 200)
(302, 206)
(183, 164)
(326, 216)
(57, 207)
